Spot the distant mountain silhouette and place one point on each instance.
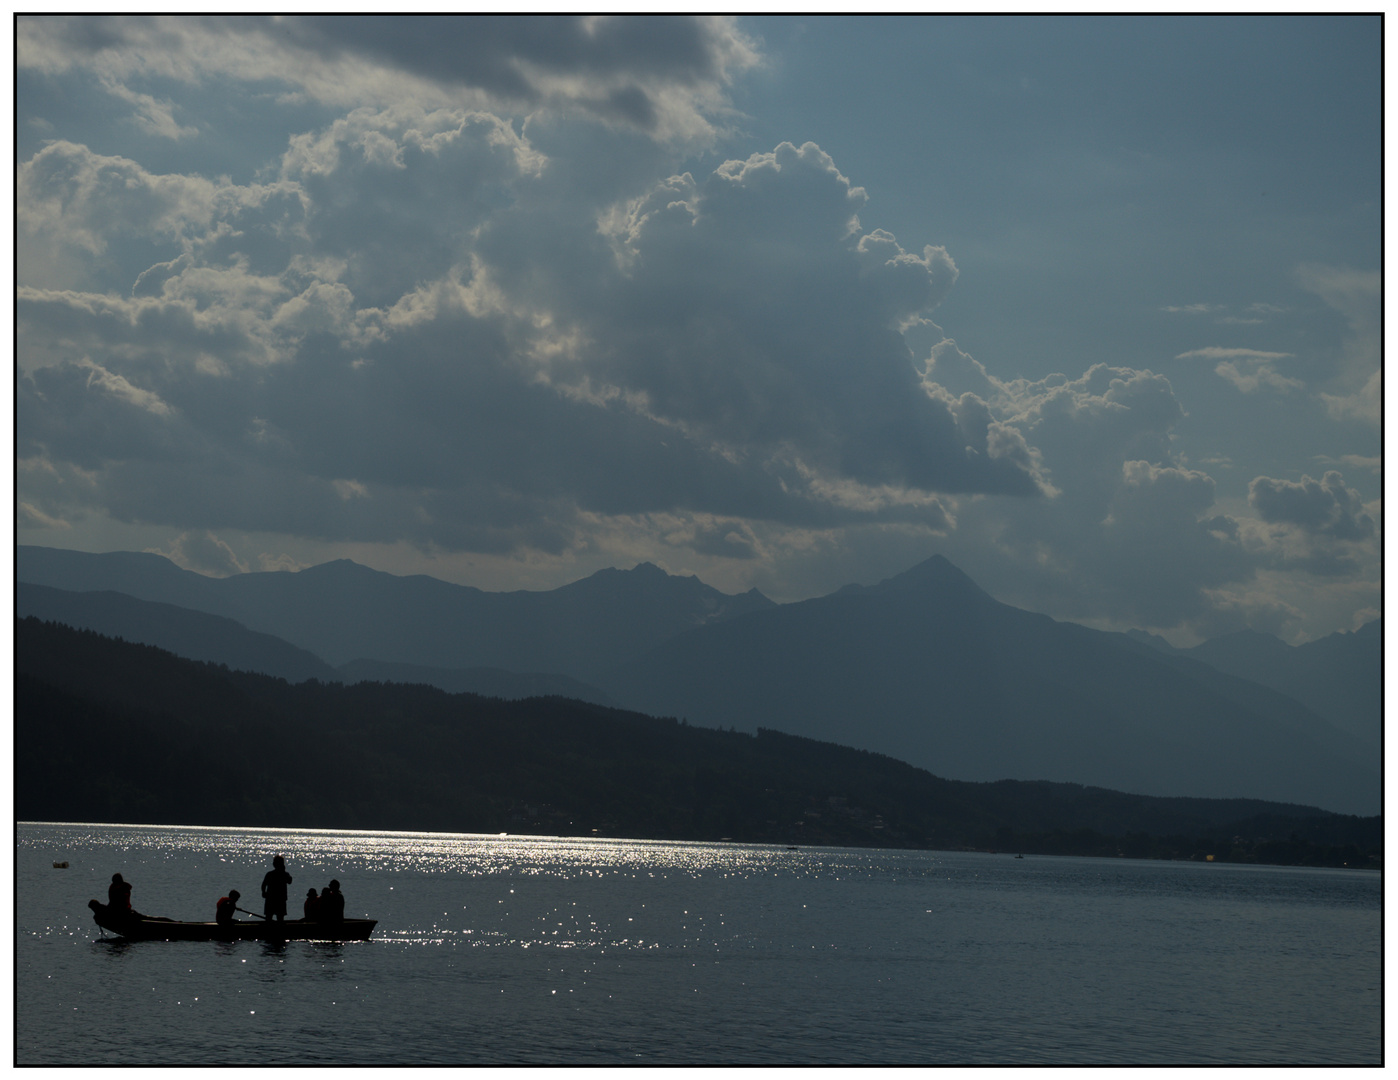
(195, 635)
(487, 682)
(928, 668)
(342, 611)
(1338, 677)
(107, 730)
(924, 666)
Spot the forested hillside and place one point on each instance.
(109, 731)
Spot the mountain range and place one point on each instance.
(1332, 676)
(925, 667)
(342, 611)
(108, 730)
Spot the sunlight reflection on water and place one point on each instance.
(512, 949)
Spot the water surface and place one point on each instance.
(500, 950)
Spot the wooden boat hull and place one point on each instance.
(146, 929)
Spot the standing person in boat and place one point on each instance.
(310, 909)
(274, 890)
(226, 906)
(332, 904)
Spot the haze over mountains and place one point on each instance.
(342, 611)
(1334, 676)
(108, 730)
(925, 667)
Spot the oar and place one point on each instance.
(245, 911)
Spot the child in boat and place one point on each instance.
(332, 904)
(310, 909)
(226, 906)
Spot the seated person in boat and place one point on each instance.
(310, 910)
(119, 894)
(227, 905)
(332, 904)
(119, 900)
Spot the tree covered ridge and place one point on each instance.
(110, 731)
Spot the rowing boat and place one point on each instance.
(144, 928)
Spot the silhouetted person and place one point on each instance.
(226, 906)
(310, 910)
(119, 899)
(274, 890)
(332, 904)
(119, 895)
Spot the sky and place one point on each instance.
(1089, 306)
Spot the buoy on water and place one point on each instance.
(60, 866)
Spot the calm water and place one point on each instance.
(494, 950)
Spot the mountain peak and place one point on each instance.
(340, 566)
(935, 572)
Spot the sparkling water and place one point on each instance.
(537, 950)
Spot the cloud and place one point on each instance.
(667, 77)
(1325, 507)
(74, 205)
(480, 411)
(1128, 535)
(156, 117)
(204, 553)
(752, 311)
(28, 516)
(1215, 352)
(461, 299)
(420, 300)
(1356, 461)
(1263, 374)
(1356, 388)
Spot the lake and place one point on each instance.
(541, 950)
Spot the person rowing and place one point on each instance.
(227, 905)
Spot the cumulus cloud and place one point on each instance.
(752, 311)
(204, 553)
(467, 300)
(743, 360)
(1324, 507)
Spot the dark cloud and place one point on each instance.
(753, 312)
(396, 196)
(662, 75)
(1127, 533)
(511, 57)
(1325, 507)
(462, 297)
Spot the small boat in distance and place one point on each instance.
(145, 928)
